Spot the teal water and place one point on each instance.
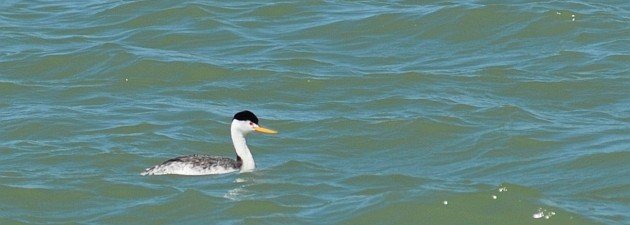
(392, 112)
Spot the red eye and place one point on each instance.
(251, 123)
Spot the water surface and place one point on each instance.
(397, 112)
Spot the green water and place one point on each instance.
(396, 112)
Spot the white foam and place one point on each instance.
(543, 213)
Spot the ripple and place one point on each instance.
(386, 111)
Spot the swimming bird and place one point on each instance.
(243, 123)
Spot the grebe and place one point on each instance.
(243, 123)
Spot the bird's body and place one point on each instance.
(243, 123)
(195, 165)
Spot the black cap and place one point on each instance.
(246, 115)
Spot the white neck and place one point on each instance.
(240, 145)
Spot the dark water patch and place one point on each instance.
(296, 165)
(256, 208)
(304, 63)
(500, 20)
(40, 129)
(429, 127)
(54, 66)
(279, 10)
(612, 162)
(517, 205)
(191, 39)
(303, 201)
(10, 88)
(524, 147)
(501, 74)
(189, 203)
(88, 101)
(617, 193)
(127, 8)
(270, 187)
(468, 23)
(85, 93)
(297, 186)
(40, 200)
(512, 115)
(131, 129)
(547, 25)
(148, 72)
(12, 221)
(505, 169)
(606, 212)
(618, 58)
(383, 184)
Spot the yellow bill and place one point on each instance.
(265, 130)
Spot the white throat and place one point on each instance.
(240, 145)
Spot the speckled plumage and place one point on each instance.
(195, 165)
